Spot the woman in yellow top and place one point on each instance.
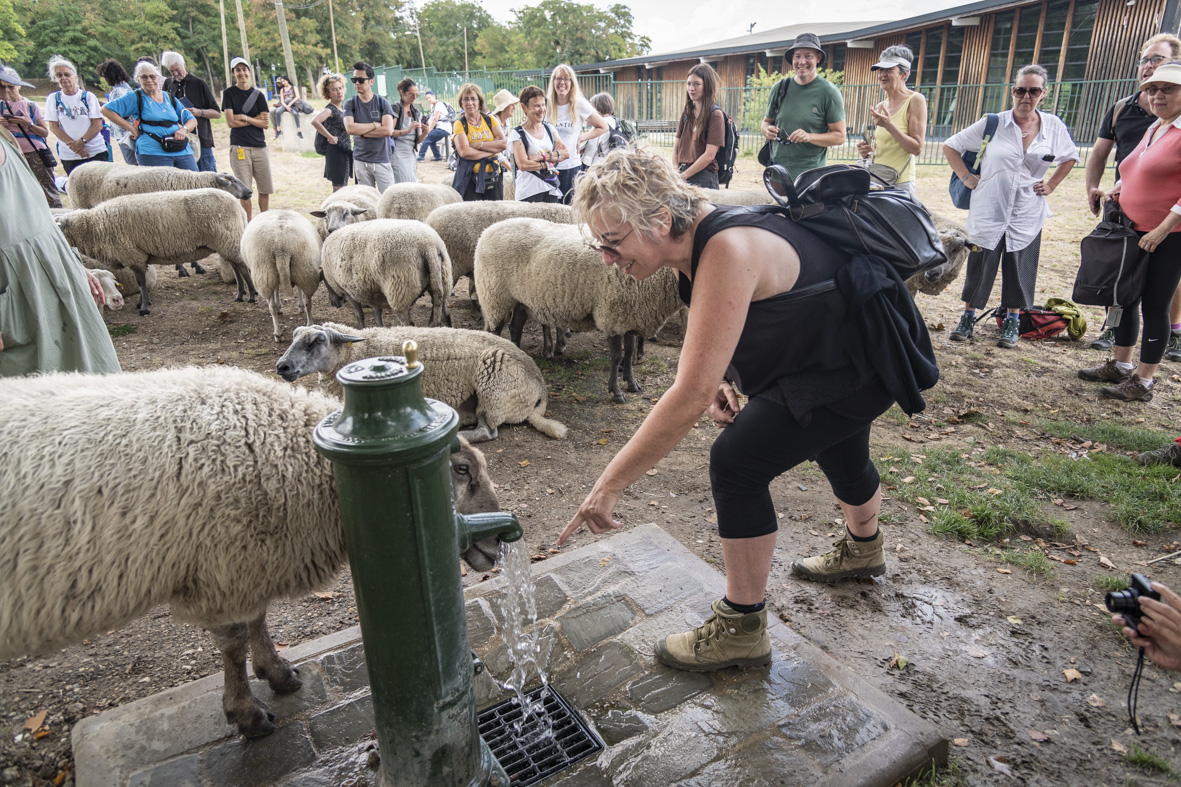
(901, 119)
(478, 139)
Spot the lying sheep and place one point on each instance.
(388, 264)
(534, 268)
(124, 277)
(161, 228)
(104, 180)
(486, 379)
(415, 200)
(346, 206)
(106, 280)
(97, 532)
(281, 247)
(461, 225)
(738, 197)
(955, 243)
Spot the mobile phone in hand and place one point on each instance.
(867, 135)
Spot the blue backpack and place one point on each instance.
(961, 195)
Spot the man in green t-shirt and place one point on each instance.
(811, 111)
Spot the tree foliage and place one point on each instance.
(560, 31)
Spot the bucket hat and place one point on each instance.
(1168, 72)
(9, 76)
(805, 41)
(502, 100)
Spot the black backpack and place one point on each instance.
(1112, 269)
(629, 130)
(616, 139)
(449, 113)
(728, 152)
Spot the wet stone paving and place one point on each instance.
(805, 719)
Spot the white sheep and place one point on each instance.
(738, 196)
(346, 206)
(96, 532)
(415, 200)
(388, 264)
(461, 225)
(549, 270)
(485, 378)
(161, 228)
(106, 280)
(957, 246)
(282, 248)
(125, 277)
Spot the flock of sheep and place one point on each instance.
(135, 540)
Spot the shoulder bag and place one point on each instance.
(776, 102)
(1113, 267)
(961, 195)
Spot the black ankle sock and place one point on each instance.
(745, 609)
(866, 538)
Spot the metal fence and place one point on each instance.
(656, 106)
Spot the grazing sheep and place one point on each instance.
(534, 268)
(110, 286)
(346, 206)
(388, 264)
(282, 247)
(161, 228)
(738, 197)
(415, 200)
(955, 242)
(461, 225)
(97, 532)
(486, 379)
(104, 180)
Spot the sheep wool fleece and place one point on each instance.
(100, 522)
(48, 321)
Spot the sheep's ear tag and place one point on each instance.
(410, 351)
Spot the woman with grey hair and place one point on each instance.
(900, 121)
(156, 121)
(1009, 204)
(75, 117)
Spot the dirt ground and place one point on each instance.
(985, 643)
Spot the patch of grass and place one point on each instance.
(895, 416)
(995, 493)
(1110, 583)
(1147, 761)
(949, 775)
(310, 154)
(1115, 435)
(1032, 560)
(577, 374)
(121, 330)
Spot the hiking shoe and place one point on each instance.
(1104, 341)
(727, 639)
(1173, 351)
(1168, 455)
(1130, 390)
(1107, 373)
(849, 559)
(963, 331)
(1010, 333)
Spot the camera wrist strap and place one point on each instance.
(1134, 691)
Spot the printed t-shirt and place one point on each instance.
(74, 114)
(569, 128)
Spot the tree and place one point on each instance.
(442, 24)
(561, 31)
(13, 41)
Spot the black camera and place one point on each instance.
(1127, 602)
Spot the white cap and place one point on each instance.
(238, 60)
(890, 62)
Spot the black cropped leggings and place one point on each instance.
(766, 441)
(1164, 271)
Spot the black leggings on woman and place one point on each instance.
(1164, 271)
(766, 441)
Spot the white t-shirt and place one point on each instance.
(75, 121)
(597, 148)
(568, 130)
(527, 183)
(438, 112)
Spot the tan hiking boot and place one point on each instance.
(726, 639)
(848, 560)
(1107, 373)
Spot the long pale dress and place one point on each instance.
(48, 320)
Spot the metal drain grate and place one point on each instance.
(531, 756)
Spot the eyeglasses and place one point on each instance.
(149, 78)
(359, 80)
(611, 247)
(1021, 92)
(562, 80)
(1167, 90)
(1153, 60)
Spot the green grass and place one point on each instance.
(1147, 761)
(1110, 583)
(1032, 560)
(946, 776)
(996, 493)
(1115, 435)
(120, 330)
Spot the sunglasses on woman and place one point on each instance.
(1021, 92)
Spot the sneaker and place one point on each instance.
(963, 331)
(727, 639)
(1169, 455)
(1104, 341)
(1173, 351)
(1130, 390)
(1107, 373)
(848, 560)
(1010, 333)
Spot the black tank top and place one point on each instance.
(801, 331)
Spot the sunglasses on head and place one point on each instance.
(1032, 91)
(359, 80)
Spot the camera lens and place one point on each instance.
(1123, 601)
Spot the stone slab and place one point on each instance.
(806, 718)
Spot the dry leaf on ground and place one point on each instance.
(1001, 763)
(35, 722)
(1072, 675)
(1119, 747)
(1095, 701)
(1037, 736)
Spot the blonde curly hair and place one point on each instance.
(325, 82)
(634, 187)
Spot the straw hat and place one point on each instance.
(502, 101)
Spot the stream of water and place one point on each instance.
(518, 611)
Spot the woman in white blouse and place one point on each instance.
(568, 112)
(1009, 204)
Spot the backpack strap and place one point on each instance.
(780, 94)
(990, 125)
(1119, 107)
